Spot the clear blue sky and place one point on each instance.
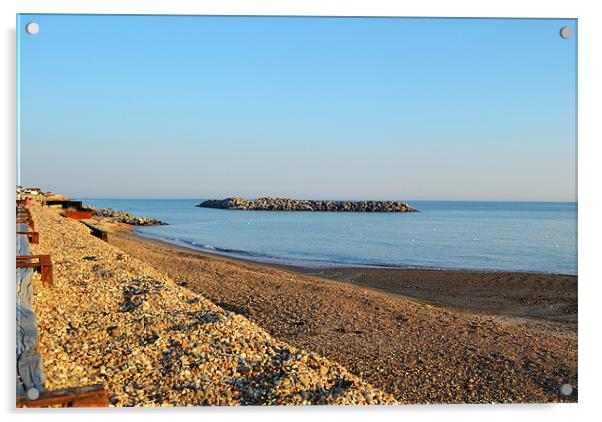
(341, 108)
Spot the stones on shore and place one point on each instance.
(125, 217)
(154, 343)
(286, 204)
(417, 351)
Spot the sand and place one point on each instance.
(424, 336)
(549, 297)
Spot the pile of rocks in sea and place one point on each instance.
(125, 217)
(286, 204)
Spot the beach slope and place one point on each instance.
(424, 336)
(110, 318)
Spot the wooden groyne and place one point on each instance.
(30, 388)
(95, 231)
(65, 203)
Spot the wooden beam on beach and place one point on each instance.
(78, 215)
(27, 221)
(88, 396)
(101, 234)
(34, 237)
(42, 263)
(78, 205)
(29, 362)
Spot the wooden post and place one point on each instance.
(34, 237)
(42, 263)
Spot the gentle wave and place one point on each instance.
(274, 259)
(314, 263)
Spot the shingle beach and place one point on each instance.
(110, 318)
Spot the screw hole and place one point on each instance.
(32, 28)
(565, 32)
(566, 389)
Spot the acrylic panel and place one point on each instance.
(263, 210)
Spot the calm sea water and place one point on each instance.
(513, 236)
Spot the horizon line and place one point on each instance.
(197, 198)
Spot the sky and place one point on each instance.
(315, 108)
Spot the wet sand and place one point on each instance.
(549, 297)
(425, 336)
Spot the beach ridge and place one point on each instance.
(110, 318)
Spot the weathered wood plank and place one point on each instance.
(88, 396)
(29, 369)
(29, 362)
(24, 286)
(66, 203)
(22, 243)
(101, 234)
(27, 332)
(22, 227)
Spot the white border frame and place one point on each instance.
(590, 29)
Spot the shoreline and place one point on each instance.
(371, 277)
(282, 262)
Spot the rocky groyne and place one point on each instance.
(286, 204)
(125, 217)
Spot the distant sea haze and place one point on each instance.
(505, 236)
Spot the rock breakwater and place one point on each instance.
(286, 204)
(125, 217)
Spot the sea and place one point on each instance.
(498, 236)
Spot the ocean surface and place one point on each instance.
(512, 236)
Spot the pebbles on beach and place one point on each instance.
(110, 318)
